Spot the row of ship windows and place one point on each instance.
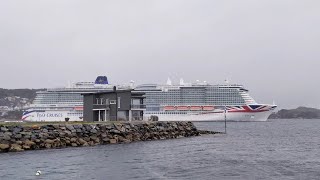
(75, 114)
(172, 113)
(53, 102)
(53, 99)
(58, 97)
(211, 98)
(195, 100)
(57, 101)
(191, 102)
(195, 94)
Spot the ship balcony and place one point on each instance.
(138, 106)
(101, 106)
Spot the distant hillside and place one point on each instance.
(17, 98)
(13, 100)
(299, 113)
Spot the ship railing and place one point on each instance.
(138, 106)
(122, 118)
(101, 106)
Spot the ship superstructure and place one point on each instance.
(202, 102)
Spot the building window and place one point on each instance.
(119, 102)
(97, 100)
(113, 102)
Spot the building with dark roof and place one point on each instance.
(121, 105)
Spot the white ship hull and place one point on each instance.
(233, 113)
(52, 115)
(230, 116)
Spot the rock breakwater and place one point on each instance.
(16, 138)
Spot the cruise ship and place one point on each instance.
(57, 104)
(201, 101)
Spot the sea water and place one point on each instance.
(276, 149)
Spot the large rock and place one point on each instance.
(113, 141)
(118, 127)
(17, 129)
(70, 127)
(15, 148)
(103, 135)
(115, 131)
(81, 141)
(94, 131)
(73, 140)
(68, 132)
(49, 141)
(7, 134)
(26, 147)
(17, 136)
(106, 140)
(48, 146)
(4, 129)
(5, 137)
(4, 146)
(29, 143)
(87, 127)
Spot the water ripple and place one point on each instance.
(279, 149)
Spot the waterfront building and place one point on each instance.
(121, 105)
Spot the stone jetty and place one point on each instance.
(14, 138)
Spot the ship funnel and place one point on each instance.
(101, 80)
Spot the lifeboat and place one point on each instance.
(169, 108)
(78, 108)
(208, 108)
(183, 108)
(195, 108)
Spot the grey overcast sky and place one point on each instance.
(270, 46)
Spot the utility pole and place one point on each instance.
(115, 90)
(225, 119)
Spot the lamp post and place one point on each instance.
(225, 119)
(115, 90)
